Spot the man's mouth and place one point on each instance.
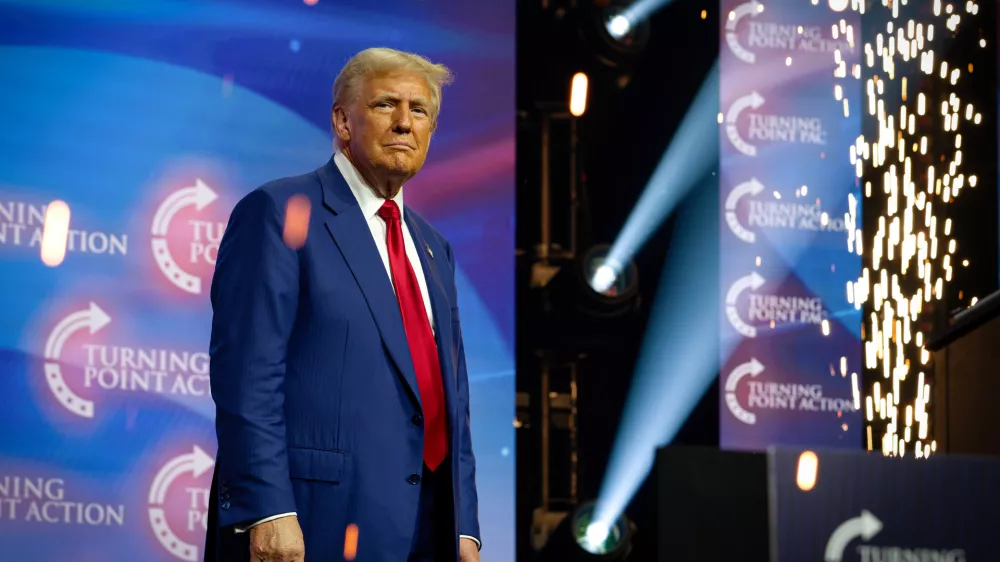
(399, 145)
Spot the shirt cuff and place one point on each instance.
(245, 528)
(479, 545)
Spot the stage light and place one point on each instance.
(604, 278)
(578, 94)
(581, 538)
(587, 299)
(679, 357)
(603, 540)
(594, 539)
(610, 283)
(618, 26)
(618, 32)
(684, 163)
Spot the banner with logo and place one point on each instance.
(837, 506)
(789, 115)
(150, 120)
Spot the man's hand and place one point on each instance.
(468, 550)
(278, 540)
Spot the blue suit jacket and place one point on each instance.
(317, 404)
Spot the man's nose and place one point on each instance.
(402, 120)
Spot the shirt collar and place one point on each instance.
(368, 200)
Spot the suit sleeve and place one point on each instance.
(254, 300)
(468, 509)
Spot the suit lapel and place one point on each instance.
(350, 232)
(439, 304)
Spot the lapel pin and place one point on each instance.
(429, 252)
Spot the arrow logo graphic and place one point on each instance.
(732, 38)
(200, 195)
(746, 9)
(197, 462)
(752, 187)
(752, 368)
(92, 319)
(753, 281)
(752, 100)
(865, 526)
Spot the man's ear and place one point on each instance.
(341, 124)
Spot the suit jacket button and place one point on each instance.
(225, 505)
(417, 419)
(414, 479)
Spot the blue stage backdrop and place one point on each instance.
(150, 119)
(789, 115)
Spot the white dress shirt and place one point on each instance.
(370, 203)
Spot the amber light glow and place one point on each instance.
(296, 221)
(578, 94)
(807, 471)
(351, 542)
(55, 233)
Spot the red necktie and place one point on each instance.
(423, 348)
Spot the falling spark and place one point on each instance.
(914, 163)
(351, 542)
(55, 233)
(296, 221)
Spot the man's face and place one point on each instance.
(388, 125)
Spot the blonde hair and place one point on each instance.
(379, 60)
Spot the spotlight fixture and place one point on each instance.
(587, 302)
(615, 36)
(579, 538)
(610, 542)
(611, 287)
(619, 26)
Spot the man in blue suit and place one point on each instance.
(337, 365)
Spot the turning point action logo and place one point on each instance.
(752, 368)
(775, 214)
(21, 224)
(776, 396)
(779, 309)
(52, 501)
(865, 527)
(201, 236)
(775, 128)
(776, 36)
(118, 367)
(189, 507)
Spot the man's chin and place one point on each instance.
(401, 167)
